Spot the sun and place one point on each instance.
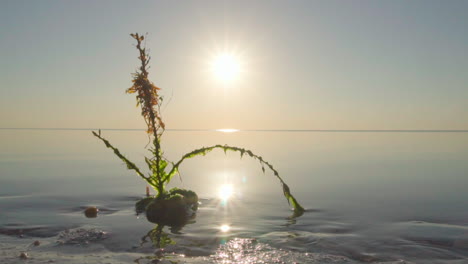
(225, 191)
(226, 67)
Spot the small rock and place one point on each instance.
(91, 212)
(23, 255)
(36, 243)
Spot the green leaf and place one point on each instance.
(130, 165)
(298, 209)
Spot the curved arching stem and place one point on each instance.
(130, 165)
(298, 209)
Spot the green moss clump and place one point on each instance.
(190, 197)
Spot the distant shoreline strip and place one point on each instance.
(254, 130)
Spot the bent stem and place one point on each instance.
(298, 209)
(130, 165)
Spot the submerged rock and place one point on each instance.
(171, 212)
(140, 206)
(80, 236)
(175, 209)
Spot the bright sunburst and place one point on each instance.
(226, 67)
(225, 191)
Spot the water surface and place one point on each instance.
(383, 197)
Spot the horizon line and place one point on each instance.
(243, 130)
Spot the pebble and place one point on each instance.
(91, 212)
(23, 255)
(36, 243)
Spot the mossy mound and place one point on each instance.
(173, 209)
(189, 197)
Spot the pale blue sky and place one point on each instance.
(309, 64)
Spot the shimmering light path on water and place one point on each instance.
(378, 197)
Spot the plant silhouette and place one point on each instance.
(161, 169)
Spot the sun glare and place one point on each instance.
(226, 67)
(225, 191)
(227, 130)
(224, 228)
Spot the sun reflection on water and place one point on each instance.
(224, 228)
(227, 130)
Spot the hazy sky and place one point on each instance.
(307, 64)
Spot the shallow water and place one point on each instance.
(370, 197)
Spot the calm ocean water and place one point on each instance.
(384, 197)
